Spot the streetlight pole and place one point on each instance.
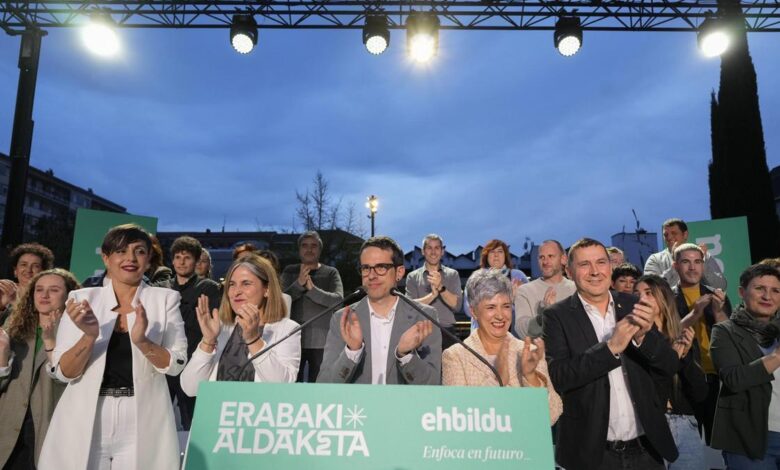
(373, 205)
(21, 140)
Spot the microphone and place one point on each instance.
(425, 314)
(357, 295)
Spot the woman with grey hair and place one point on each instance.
(519, 363)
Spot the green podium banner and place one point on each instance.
(332, 426)
(727, 241)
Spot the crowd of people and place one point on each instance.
(643, 369)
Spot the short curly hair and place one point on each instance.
(45, 254)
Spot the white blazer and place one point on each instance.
(278, 365)
(67, 442)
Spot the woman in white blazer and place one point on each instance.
(251, 317)
(114, 347)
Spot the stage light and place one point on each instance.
(422, 36)
(568, 35)
(243, 33)
(376, 36)
(713, 37)
(99, 35)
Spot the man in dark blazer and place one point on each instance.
(600, 348)
(380, 340)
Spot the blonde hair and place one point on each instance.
(272, 307)
(24, 317)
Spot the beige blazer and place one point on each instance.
(460, 367)
(27, 384)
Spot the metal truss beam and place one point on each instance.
(598, 15)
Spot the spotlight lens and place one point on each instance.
(100, 39)
(422, 47)
(569, 45)
(242, 43)
(714, 43)
(376, 44)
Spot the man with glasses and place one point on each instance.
(380, 340)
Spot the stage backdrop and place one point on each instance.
(727, 241)
(91, 227)
(239, 425)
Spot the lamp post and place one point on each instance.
(373, 205)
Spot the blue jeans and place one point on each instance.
(685, 431)
(771, 460)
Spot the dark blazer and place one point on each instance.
(578, 364)
(423, 369)
(742, 416)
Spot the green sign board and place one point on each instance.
(91, 227)
(334, 426)
(727, 241)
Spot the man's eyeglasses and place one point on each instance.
(379, 269)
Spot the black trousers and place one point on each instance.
(642, 457)
(23, 455)
(312, 357)
(705, 411)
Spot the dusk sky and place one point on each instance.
(499, 137)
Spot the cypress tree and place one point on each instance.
(738, 174)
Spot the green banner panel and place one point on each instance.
(727, 241)
(393, 427)
(91, 227)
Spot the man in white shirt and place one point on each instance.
(551, 287)
(675, 233)
(380, 340)
(600, 349)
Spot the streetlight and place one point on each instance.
(373, 205)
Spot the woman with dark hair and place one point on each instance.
(28, 390)
(496, 255)
(251, 317)
(745, 351)
(683, 391)
(157, 272)
(114, 348)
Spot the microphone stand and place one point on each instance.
(360, 292)
(425, 314)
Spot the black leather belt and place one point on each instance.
(624, 446)
(116, 392)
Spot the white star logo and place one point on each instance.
(355, 416)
